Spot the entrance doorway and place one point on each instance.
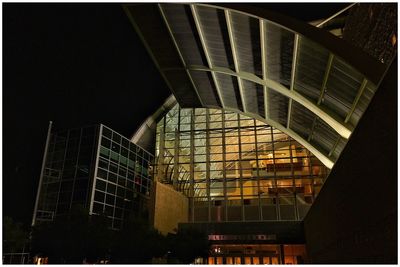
(249, 254)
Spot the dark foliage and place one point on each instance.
(78, 237)
(14, 236)
(187, 245)
(137, 242)
(72, 238)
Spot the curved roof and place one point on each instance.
(299, 79)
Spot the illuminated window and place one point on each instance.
(233, 157)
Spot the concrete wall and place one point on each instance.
(354, 218)
(170, 208)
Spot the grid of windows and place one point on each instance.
(123, 180)
(235, 168)
(67, 172)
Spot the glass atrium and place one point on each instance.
(235, 168)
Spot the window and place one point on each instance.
(101, 185)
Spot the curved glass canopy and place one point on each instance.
(217, 57)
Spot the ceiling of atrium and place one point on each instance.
(299, 79)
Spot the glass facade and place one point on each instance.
(122, 180)
(97, 168)
(68, 171)
(235, 168)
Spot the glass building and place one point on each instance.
(97, 168)
(236, 173)
(235, 168)
(267, 106)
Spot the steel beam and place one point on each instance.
(264, 64)
(179, 52)
(293, 76)
(326, 75)
(334, 146)
(312, 129)
(205, 49)
(326, 160)
(46, 147)
(355, 102)
(335, 15)
(322, 91)
(147, 46)
(331, 119)
(234, 55)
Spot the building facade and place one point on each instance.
(250, 182)
(235, 168)
(242, 182)
(97, 168)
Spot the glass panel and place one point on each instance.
(279, 49)
(246, 170)
(246, 35)
(230, 94)
(312, 63)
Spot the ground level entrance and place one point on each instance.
(256, 254)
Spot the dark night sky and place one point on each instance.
(76, 64)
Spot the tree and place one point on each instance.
(14, 236)
(99, 239)
(187, 245)
(72, 238)
(137, 243)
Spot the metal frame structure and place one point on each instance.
(322, 123)
(206, 153)
(97, 168)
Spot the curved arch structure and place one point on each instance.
(295, 77)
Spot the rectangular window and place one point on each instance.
(112, 177)
(99, 196)
(108, 210)
(102, 173)
(125, 143)
(97, 208)
(114, 156)
(101, 185)
(104, 152)
(107, 132)
(111, 188)
(110, 199)
(103, 163)
(115, 147)
(121, 191)
(121, 180)
(106, 142)
(116, 137)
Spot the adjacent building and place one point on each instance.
(97, 168)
